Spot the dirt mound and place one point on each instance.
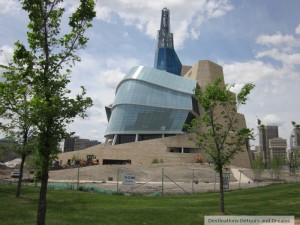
(143, 172)
(4, 171)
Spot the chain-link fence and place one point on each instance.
(271, 175)
(161, 178)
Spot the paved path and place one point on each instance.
(240, 176)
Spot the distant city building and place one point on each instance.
(294, 151)
(257, 152)
(69, 144)
(75, 143)
(81, 144)
(265, 134)
(95, 142)
(278, 148)
(295, 138)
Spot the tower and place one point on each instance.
(265, 134)
(165, 55)
(295, 138)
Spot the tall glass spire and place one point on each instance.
(165, 55)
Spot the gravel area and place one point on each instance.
(153, 178)
(160, 178)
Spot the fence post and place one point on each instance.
(240, 179)
(162, 181)
(78, 176)
(193, 181)
(215, 181)
(118, 179)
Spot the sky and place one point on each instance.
(253, 40)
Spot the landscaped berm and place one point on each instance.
(70, 207)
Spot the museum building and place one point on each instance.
(151, 105)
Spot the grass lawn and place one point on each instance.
(72, 207)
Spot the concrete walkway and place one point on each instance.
(239, 176)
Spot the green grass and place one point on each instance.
(72, 207)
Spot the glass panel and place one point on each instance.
(132, 119)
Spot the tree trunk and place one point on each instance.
(18, 192)
(222, 208)
(41, 216)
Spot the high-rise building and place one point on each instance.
(95, 142)
(265, 134)
(75, 143)
(294, 152)
(70, 143)
(81, 144)
(295, 138)
(277, 147)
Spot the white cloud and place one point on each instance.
(272, 119)
(218, 8)
(122, 63)
(104, 73)
(6, 53)
(103, 13)
(112, 77)
(252, 71)
(236, 88)
(277, 40)
(145, 15)
(282, 48)
(9, 6)
(195, 34)
(186, 19)
(275, 87)
(292, 58)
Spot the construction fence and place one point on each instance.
(162, 179)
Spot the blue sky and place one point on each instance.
(254, 40)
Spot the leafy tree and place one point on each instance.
(15, 96)
(217, 129)
(49, 59)
(258, 167)
(277, 165)
(295, 125)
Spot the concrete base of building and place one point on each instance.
(174, 149)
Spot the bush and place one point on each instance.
(156, 160)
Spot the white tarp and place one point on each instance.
(13, 163)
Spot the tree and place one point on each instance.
(15, 95)
(217, 129)
(276, 166)
(295, 125)
(50, 57)
(258, 167)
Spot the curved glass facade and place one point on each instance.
(150, 101)
(141, 93)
